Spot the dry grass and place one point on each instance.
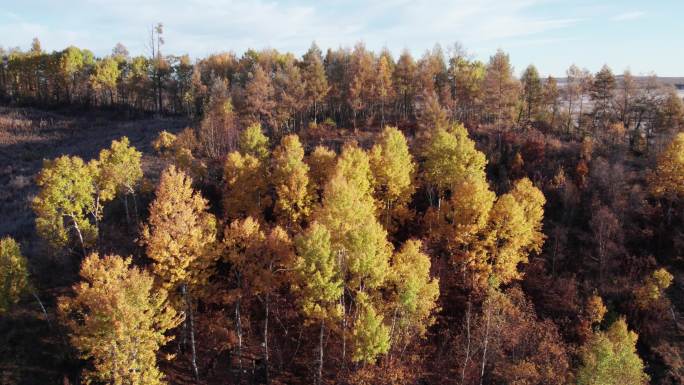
(27, 136)
(19, 126)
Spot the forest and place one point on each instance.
(343, 217)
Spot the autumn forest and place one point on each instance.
(340, 217)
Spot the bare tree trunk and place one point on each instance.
(467, 357)
(42, 308)
(95, 218)
(581, 110)
(344, 328)
(319, 377)
(191, 326)
(486, 343)
(315, 112)
(388, 209)
(135, 207)
(266, 363)
(128, 216)
(238, 327)
(391, 335)
(79, 234)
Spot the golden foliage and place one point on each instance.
(291, 180)
(317, 277)
(246, 186)
(415, 293)
(14, 274)
(180, 234)
(118, 321)
(668, 177)
(65, 206)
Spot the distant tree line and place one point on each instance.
(347, 87)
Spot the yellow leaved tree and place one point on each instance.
(65, 205)
(668, 177)
(13, 274)
(318, 283)
(393, 171)
(180, 239)
(321, 163)
(290, 176)
(246, 176)
(258, 261)
(117, 171)
(118, 320)
(610, 358)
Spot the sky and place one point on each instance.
(642, 36)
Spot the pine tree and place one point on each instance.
(71, 62)
(551, 101)
(671, 114)
(384, 89)
(289, 93)
(531, 93)
(360, 89)
(404, 82)
(500, 89)
(601, 94)
(118, 321)
(467, 77)
(259, 97)
(218, 129)
(315, 82)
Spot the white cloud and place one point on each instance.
(625, 16)
(199, 27)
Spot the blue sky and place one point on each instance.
(644, 36)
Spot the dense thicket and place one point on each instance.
(473, 228)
